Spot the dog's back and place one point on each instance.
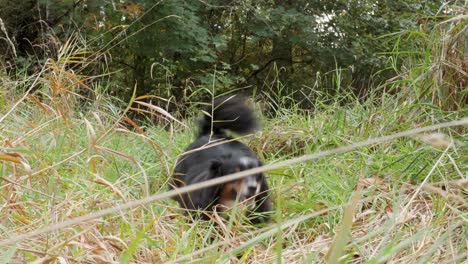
(214, 154)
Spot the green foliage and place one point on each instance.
(31, 30)
(307, 62)
(169, 29)
(433, 57)
(56, 168)
(286, 48)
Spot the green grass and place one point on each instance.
(89, 161)
(64, 156)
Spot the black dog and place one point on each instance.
(214, 154)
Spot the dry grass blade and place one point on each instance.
(452, 198)
(100, 180)
(39, 103)
(10, 156)
(91, 133)
(437, 140)
(117, 153)
(160, 111)
(342, 237)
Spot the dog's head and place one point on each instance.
(242, 191)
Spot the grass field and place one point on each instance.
(401, 201)
(80, 182)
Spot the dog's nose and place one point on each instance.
(250, 186)
(251, 190)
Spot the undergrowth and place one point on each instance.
(63, 155)
(56, 168)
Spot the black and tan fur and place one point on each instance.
(215, 154)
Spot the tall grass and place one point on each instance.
(400, 201)
(434, 62)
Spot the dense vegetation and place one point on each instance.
(174, 49)
(97, 100)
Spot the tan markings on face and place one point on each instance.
(228, 196)
(246, 189)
